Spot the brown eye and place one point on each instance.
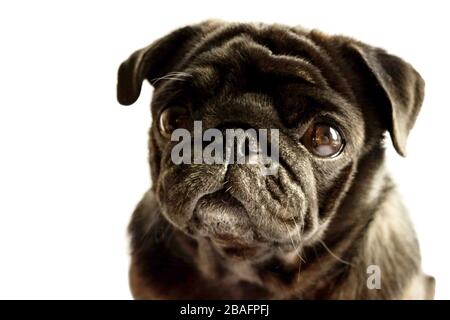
(173, 118)
(323, 140)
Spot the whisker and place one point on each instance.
(334, 255)
(299, 235)
(176, 76)
(296, 249)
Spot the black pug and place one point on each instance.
(329, 224)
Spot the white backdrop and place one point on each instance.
(73, 161)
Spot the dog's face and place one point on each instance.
(330, 98)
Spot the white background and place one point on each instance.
(73, 161)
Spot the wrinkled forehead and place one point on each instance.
(290, 68)
(245, 64)
(275, 50)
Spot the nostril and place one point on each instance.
(241, 140)
(247, 149)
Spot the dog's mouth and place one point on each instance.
(223, 219)
(221, 216)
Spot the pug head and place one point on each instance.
(330, 98)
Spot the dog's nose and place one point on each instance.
(244, 144)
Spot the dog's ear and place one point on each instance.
(401, 88)
(154, 61)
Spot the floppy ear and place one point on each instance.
(400, 84)
(152, 62)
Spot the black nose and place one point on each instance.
(239, 136)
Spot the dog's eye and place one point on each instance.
(173, 118)
(323, 140)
